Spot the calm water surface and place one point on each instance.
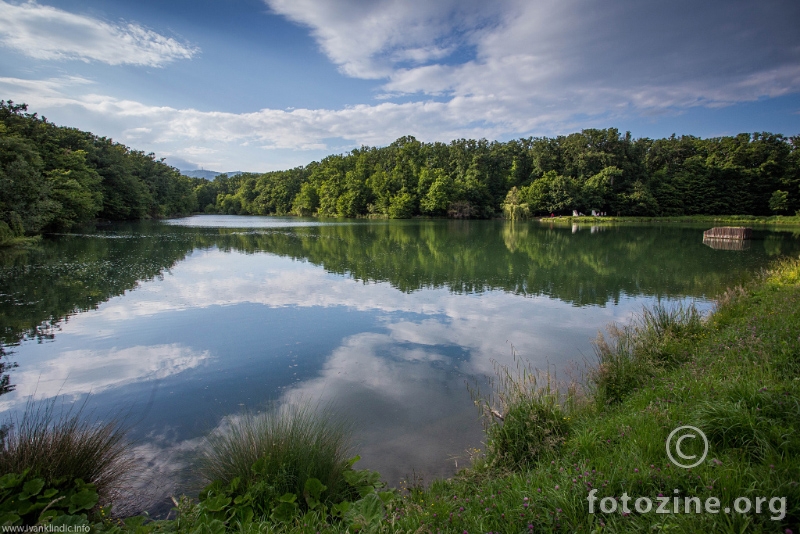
(178, 325)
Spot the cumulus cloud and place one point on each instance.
(447, 70)
(367, 38)
(574, 55)
(49, 33)
(541, 328)
(226, 140)
(429, 432)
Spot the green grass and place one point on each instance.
(735, 375)
(535, 415)
(275, 452)
(60, 446)
(633, 354)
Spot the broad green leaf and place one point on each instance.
(10, 480)
(366, 511)
(314, 488)
(260, 467)
(284, 512)
(214, 526)
(352, 477)
(135, 521)
(31, 488)
(245, 514)
(50, 493)
(287, 497)
(340, 509)
(373, 478)
(71, 520)
(48, 515)
(9, 518)
(216, 503)
(83, 500)
(365, 490)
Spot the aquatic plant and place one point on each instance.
(632, 354)
(526, 416)
(276, 452)
(59, 446)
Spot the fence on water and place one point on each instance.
(729, 232)
(728, 237)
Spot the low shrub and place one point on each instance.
(633, 354)
(27, 500)
(268, 455)
(60, 447)
(527, 415)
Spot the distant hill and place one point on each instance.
(208, 175)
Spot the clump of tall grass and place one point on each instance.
(784, 273)
(273, 453)
(526, 415)
(60, 446)
(632, 354)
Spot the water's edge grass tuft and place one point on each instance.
(61, 443)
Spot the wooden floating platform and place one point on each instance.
(728, 232)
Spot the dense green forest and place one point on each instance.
(54, 177)
(599, 170)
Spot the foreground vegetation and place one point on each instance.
(735, 375)
(57, 465)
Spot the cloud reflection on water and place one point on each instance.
(402, 382)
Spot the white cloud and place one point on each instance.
(367, 38)
(463, 69)
(49, 33)
(541, 328)
(418, 415)
(78, 372)
(541, 63)
(216, 140)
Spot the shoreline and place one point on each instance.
(733, 220)
(735, 374)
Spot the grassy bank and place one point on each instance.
(734, 375)
(727, 220)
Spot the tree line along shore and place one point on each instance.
(54, 178)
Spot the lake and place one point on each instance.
(175, 326)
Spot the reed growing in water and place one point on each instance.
(61, 445)
(276, 452)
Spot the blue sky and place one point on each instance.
(260, 85)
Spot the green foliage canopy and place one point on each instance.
(599, 170)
